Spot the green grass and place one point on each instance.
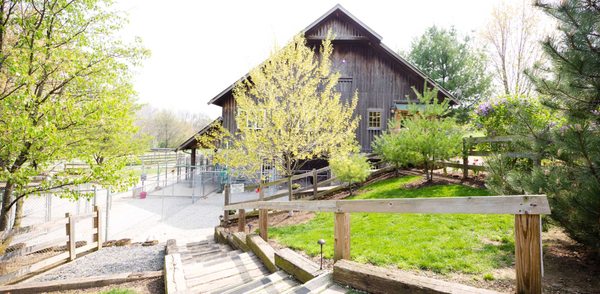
(441, 243)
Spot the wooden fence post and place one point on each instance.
(341, 247)
(71, 234)
(241, 220)
(97, 227)
(315, 187)
(465, 160)
(290, 192)
(263, 223)
(528, 253)
(261, 193)
(226, 192)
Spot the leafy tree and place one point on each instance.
(350, 169)
(289, 110)
(530, 123)
(65, 95)
(569, 83)
(392, 150)
(427, 135)
(168, 128)
(514, 115)
(454, 64)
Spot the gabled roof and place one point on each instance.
(372, 36)
(192, 142)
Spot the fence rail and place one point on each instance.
(525, 208)
(68, 252)
(470, 142)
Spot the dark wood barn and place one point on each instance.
(382, 78)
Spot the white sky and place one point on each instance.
(201, 47)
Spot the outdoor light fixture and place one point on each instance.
(321, 242)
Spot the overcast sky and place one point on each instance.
(201, 47)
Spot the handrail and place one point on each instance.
(527, 210)
(517, 204)
(509, 138)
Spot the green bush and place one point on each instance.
(351, 169)
(426, 136)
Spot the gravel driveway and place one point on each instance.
(110, 261)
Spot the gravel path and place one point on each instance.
(109, 261)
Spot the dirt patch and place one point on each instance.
(276, 219)
(568, 267)
(421, 183)
(146, 286)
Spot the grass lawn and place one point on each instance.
(441, 243)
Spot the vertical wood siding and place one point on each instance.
(379, 80)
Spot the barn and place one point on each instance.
(383, 79)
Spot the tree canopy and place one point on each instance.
(290, 110)
(65, 96)
(454, 63)
(565, 133)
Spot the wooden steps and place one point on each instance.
(320, 284)
(239, 267)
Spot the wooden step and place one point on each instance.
(203, 253)
(297, 265)
(198, 272)
(213, 256)
(259, 283)
(320, 282)
(335, 289)
(199, 249)
(218, 263)
(192, 261)
(203, 242)
(228, 282)
(278, 287)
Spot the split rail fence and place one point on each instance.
(36, 248)
(310, 191)
(527, 210)
(468, 149)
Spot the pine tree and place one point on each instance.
(570, 83)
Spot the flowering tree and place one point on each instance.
(513, 115)
(290, 111)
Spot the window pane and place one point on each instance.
(374, 120)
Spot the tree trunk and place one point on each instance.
(5, 210)
(18, 213)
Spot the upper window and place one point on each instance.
(255, 119)
(374, 120)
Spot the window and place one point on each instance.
(254, 120)
(374, 119)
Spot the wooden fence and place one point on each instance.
(525, 208)
(55, 252)
(468, 150)
(312, 190)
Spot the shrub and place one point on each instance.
(428, 135)
(351, 169)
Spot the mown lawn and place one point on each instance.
(440, 243)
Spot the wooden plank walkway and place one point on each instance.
(209, 267)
